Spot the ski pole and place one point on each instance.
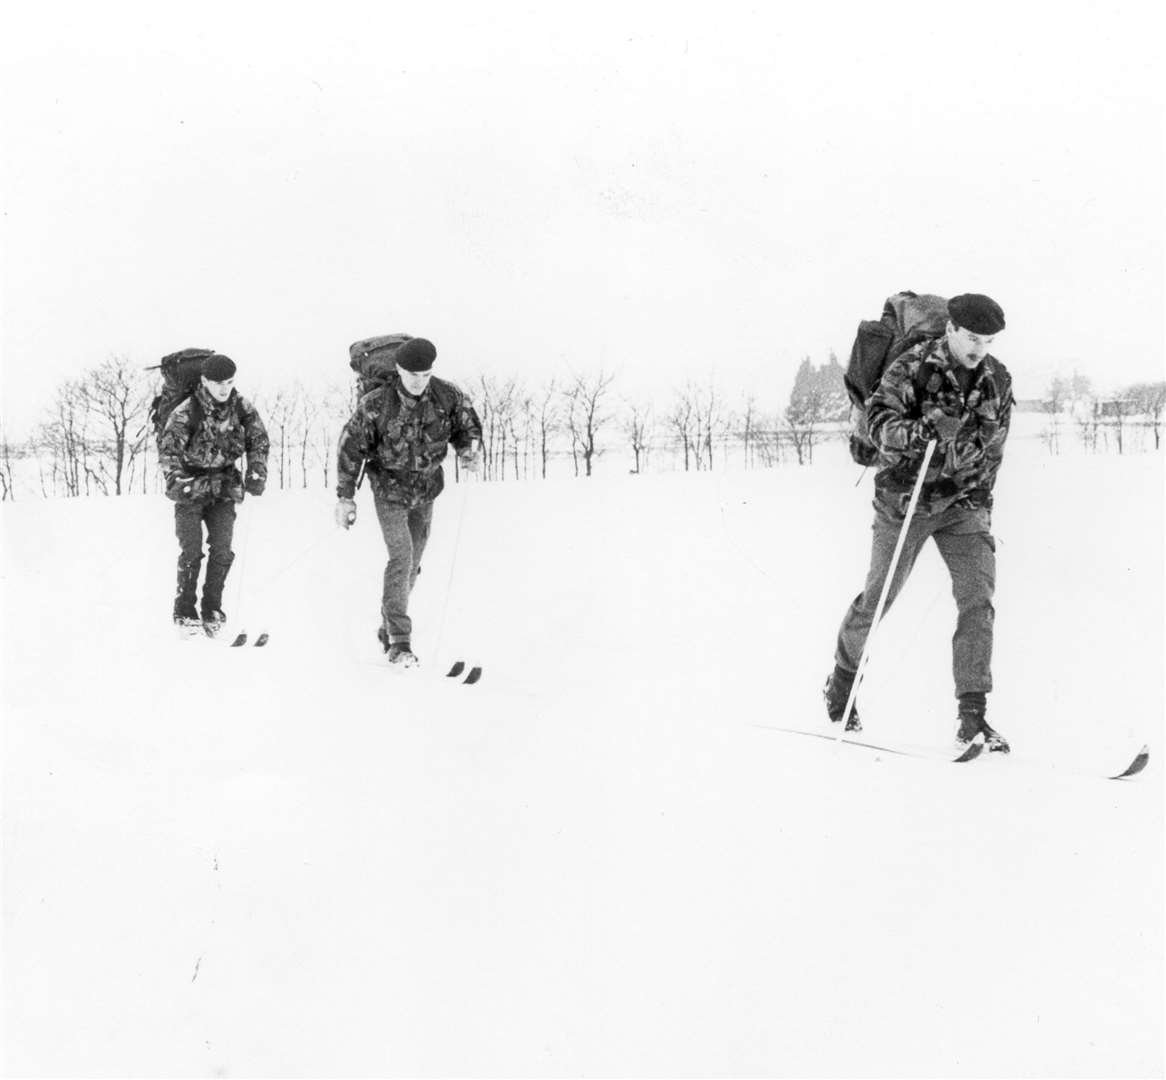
(461, 517)
(239, 576)
(878, 614)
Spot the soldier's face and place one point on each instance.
(414, 382)
(220, 391)
(968, 348)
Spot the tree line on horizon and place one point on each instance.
(96, 438)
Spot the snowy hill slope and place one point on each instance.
(292, 861)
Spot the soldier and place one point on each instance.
(952, 390)
(198, 449)
(400, 433)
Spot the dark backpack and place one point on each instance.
(907, 320)
(374, 359)
(180, 374)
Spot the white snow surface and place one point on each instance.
(293, 861)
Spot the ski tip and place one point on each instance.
(974, 749)
(261, 640)
(474, 675)
(1141, 760)
(240, 640)
(456, 670)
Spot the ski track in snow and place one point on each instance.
(593, 862)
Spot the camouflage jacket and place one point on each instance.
(201, 443)
(962, 472)
(404, 440)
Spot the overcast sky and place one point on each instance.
(670, 192)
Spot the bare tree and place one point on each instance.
(709, 421)
(521, 431)
(1149, 400)
(1056, 397)
(7, 487)
(747, 429)
(637, 426)
(64, 437)
(525, 414)
(682, 420)
(281, 420)
(1119, 409)
(337, 405)
(1080, 387)
(587, 415)
(547, 421)
(495, 408)
(1088, 423)
(767, 441)
(308, 414)
(117, 395)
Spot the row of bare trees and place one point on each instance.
(96, 438)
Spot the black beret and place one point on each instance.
(977, 313)
(218, 368)
(416, 354)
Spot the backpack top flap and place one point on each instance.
(183, 358)
(373, 358)
(915, 317)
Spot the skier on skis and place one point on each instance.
(951, 390)
(400, 433)
(198, 450)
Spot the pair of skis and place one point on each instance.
(195, 632)
(959, 756)
(258, 643)
(471, 677)
(456, 676)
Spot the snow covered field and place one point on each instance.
(294, 862)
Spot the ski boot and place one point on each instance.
(835, 693)
(187, 624)
(213, 623)
(401, 655)
(973, 724)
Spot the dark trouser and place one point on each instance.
(966, 545)
(219, 517)
(406, 531)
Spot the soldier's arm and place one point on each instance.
(256, 441)
(892, 413)
(466, 428)
(355, 447)
(172, 442)
(994, 450)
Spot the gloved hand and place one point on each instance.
(255, 484)
(470, 460)
(946, 427)
(345, 512)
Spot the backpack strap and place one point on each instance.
(197, 414)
